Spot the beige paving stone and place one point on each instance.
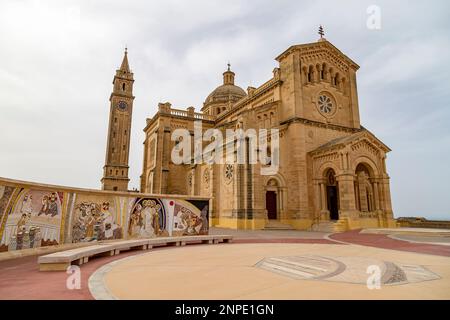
(229, 272)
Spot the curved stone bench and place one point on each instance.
(60, 261)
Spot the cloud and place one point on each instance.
(58, 58)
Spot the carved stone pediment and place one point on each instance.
(360, 141)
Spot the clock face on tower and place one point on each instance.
(122, 105)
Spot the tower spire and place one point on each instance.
(115, 170)
(125, 66)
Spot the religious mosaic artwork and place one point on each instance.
(30, 218)
(148, 218)
(5, 195)
(33, 220)
(95, 220)
(189, 220)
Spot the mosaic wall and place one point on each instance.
(30, 217)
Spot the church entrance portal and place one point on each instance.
(332, 195)
(333, 202)
(271, 205)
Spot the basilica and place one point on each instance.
(332, 171)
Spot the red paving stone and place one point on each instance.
(20, 279)
(286, 240)
(383, 241)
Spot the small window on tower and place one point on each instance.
(115, 188)
(117, 172)
(113, 150)
(115, 120)
(124, 146)
(123, 86)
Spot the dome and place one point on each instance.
(227, 92)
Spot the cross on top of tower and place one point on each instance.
(229, 65)
(321, 32)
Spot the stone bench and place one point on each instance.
(60, 261)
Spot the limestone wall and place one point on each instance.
(33, 215)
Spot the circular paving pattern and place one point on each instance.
(272, 271)
(345, 269)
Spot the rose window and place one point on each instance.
(325, 104)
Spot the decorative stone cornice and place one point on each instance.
(319, 124)
(317, 48)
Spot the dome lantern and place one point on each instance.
(228, 76)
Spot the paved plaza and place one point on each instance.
(258, 265)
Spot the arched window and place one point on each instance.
(324, 71)
(311, 74)
(123, 86)
(363, 189)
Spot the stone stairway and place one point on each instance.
(276, 225)
(330, 226)
(324, 226)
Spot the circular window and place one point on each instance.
(229, 172)
(326, 105)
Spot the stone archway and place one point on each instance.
(272, 199)
(332, 194)
(274, 192)
(366, 194)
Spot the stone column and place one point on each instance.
(375, 194)
(386, 196)
(325, 214)
(317, 198)
(193, 184)
(165, 161)
(347, 203)
(363, 201)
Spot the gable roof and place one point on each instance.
(321, 44)
(343, 141)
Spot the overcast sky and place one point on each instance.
(58, 58)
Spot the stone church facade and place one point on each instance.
(332, 171)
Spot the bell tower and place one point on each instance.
(115, 170)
